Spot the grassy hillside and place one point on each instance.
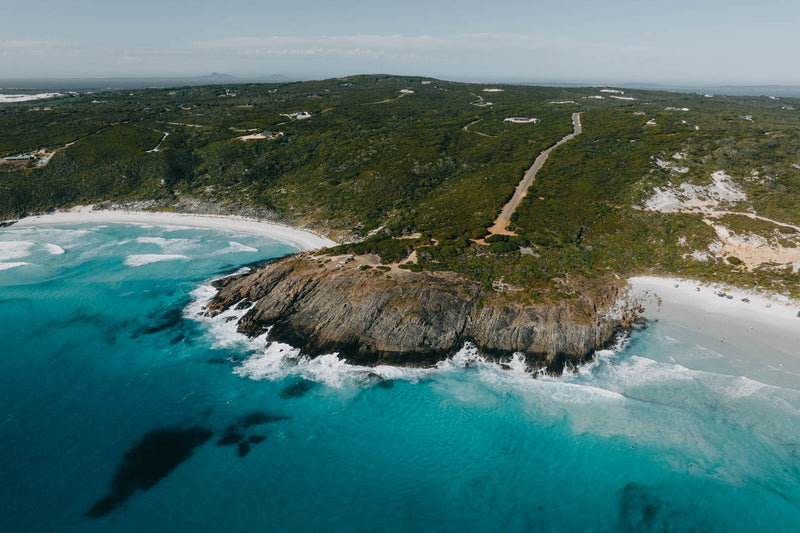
(389, 156)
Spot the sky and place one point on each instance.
(677, 42)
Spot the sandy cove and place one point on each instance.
(760, 327)
(300, 238)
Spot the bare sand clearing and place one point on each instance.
(755, 327)
(302, 239)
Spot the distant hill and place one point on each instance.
(110, 84)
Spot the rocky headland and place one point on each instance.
(371, 314)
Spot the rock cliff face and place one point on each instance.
(406, 318)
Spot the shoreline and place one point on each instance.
(754, 331)
(304, 240)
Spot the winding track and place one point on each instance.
(504, 218)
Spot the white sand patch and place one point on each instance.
(7, 266)
(13, 98)
(622, 97)
(672, 167)
(696, 197)
(755, 250)
(560, 102)
(146, 259)
(699, 255)
(676, 109)
(651, 122)
(615, 91)
(493, 90)
(301, 239)
(594, 97)
(406, 91)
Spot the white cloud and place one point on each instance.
(373, 46)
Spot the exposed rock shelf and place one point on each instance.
(410, 318)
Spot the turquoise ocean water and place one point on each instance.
(123, 411)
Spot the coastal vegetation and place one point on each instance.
(394, 165)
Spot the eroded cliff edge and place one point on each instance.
(376, 316)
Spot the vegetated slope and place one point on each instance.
(374, 155)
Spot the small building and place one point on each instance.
(299, 115)
(521, 120)
(23, 157)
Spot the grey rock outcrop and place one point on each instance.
(410, 318)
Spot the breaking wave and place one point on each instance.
(146, 259)
(7, 266)
(15, 249)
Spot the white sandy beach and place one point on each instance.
(756, 328)
(302, 239)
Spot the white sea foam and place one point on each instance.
(62, 236)
(235, 247)
(7, 266)
(170, 246)
(630, 392)
(629, 388)
(222, 328)
(15, 249)
(54, 249)
(146, 259)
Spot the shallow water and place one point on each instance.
(112, 388)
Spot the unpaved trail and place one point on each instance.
(466, 128)
(45, 156)
(504, 218)
(715, 213)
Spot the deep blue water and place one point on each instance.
(101, 347)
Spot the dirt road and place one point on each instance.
(502, 221)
